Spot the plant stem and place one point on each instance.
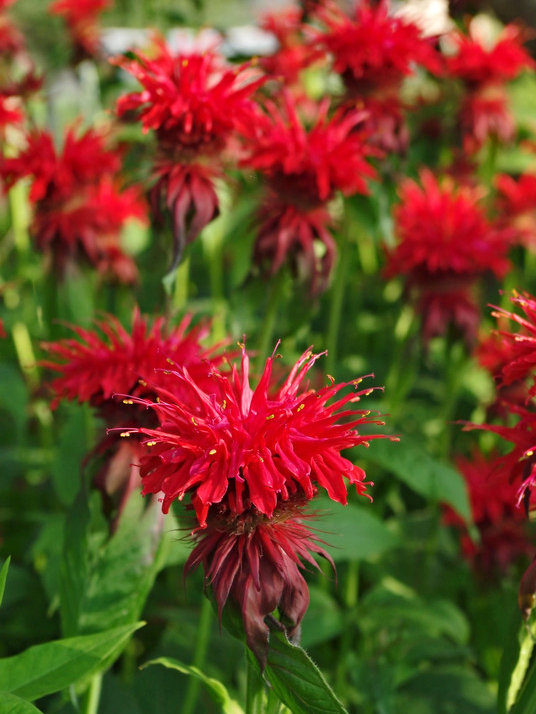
(267, 333)
(254, 688)
(351, 593)
(518, 675)
(337, 300)
(200, 653)
(91, 703)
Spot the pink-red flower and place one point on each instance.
(194, 103)
(517, 206)
(501, 524)
(79, 206)
(476, 64)
(304, 167)
(375, 50)
(82, 19)
(256, 563)
(445, 243)
(250, 448)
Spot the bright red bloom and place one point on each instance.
(255, 562)
(289, 233)
(445, 242)
(294, 53)
(79, 207)
(82, 161)
(9, 114)
(476, 64)
(375, 50)
(81, 17)
(520, 345)
(501, 524)
(194, 102)
(254, 449)
(306, 166)
(484, 113)
(109, 360)
(517, 204)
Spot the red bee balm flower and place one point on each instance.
(517, 204)
(79, 207)
(445, 243)
(194, 102)
(501, 524)
(81, 17)
(375, 50)
(252, 448)
(304, 168)
(256, 562)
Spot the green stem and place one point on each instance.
(337, 300)
(518, 675)
(90, 705)
(200, 653)
(267, 333)
(351, 593)
(254, 688)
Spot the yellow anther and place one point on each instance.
(302, 406)
(193, 421)
(150, 443)
(142, 382)
(529, 453)
(270, 416)
(184, 63)
(170, 361)
(212, 452)
(124, 434)
(224, 404)
(128, 401)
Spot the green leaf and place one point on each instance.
(216, 689)
(352, 532)
(66, 468)
(526, 700)
(125, 568)
(3, 576)
(509, 660)
(50, 667)
(74, 564)
(11, 704)
(444, 690)
(296, 679)
(428, 476)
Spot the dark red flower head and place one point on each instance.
(517, 206)
(59, 174)
(253, 448)
(306, 165)
(477, 64)
(82, 18)
(500, 522)
(445, 242)
(255, 562)
(102, 362)
(520, 345)
(193, 101)
(376, 50)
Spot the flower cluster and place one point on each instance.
(304, 167)
(501, 525)
(194, 103)
(484, 71)
(99, 363)
(445, 243)
(79, 206)
(81, 17)
(250, 460)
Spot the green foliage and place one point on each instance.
(44, 669)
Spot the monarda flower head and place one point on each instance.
(445, 243)
(517, 206)
(255, 562)
(501, 524)
(375, 50)
(82, 19)
(96, 364)
(79, 207)
(252, 449)
(194, 103)
(304, 167)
